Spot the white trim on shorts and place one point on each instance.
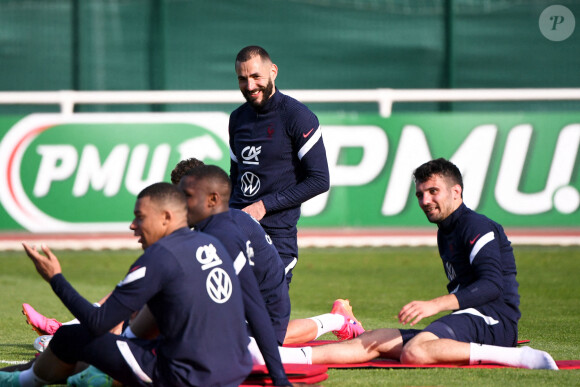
(132, 362)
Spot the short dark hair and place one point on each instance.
(183, 167)
(164, 193)
(212, 172)
(249, 52)
(441, 167)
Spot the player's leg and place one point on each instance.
(385, 342)
(288, 251)
(116, 356)
(50, 368)
(42, 325)
(301, 330)
(369, 345)
(470, 337)
(524, 357)
(341, 321)
(48, 326)
(46, 369)
(427, 348)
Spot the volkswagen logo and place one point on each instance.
(250, 184)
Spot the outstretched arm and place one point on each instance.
(98, 320)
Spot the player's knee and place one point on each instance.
(414, 354)
(68, 342)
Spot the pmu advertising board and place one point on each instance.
(81, 172)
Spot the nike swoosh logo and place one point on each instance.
(474, 239)
(320, 321)
(307, 134)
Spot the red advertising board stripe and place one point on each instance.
(29, 136)
(306, 238)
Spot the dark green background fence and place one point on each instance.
(317, 44)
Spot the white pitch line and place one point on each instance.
(14, 361)
(365, 241)
(321, 240)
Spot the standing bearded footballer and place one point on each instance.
(278, 159)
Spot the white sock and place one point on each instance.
(537, 360)
(75, 321)
(524, 357)
(288, 355)
(327, 323)
(301, 355)
(27, 378)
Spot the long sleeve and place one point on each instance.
(98, 320)
(314, 167)
(486, 265)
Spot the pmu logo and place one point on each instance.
(474, 156)
(80, 173)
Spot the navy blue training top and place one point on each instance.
(225, 228)
(277, 156)
(189, 283)
(479, 263)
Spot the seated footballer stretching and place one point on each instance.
(483, 293)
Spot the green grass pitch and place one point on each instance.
(378, 282)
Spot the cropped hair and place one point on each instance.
(441, 167)
(249, 52)
(165, 193)
(212, 172)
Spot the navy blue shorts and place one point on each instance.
(470, 326)
(124, 360)
(288, 250)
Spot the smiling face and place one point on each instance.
(149, 223)
(438, 197)
(256, 80)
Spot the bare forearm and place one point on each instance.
(415, 311)
(446, 302)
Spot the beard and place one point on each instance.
(434, 217)
(266, 94)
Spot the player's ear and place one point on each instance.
(274, 71)
(457, 191)
(167, 216)
(213, 199)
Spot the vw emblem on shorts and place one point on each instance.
(250, 184)
(219, 285)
